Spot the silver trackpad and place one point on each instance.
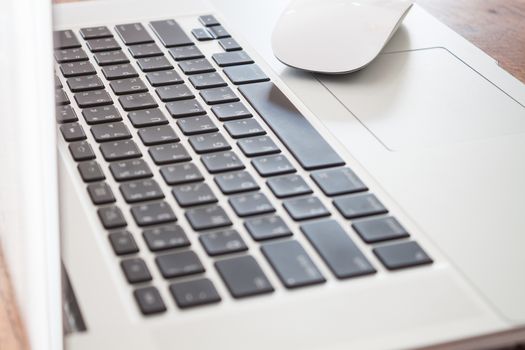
(426, 98)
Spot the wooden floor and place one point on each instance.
(495, 26)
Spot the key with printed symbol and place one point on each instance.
(169, 153)
(123, 243)
(119, 150)
(165, 237)
(237, 182)
(179, 264)
(267, 227)
(178, 174)
(100, 193)
(222, 242)
(153, 213)
(273, 165)
(251, 204)
(204, 218)
(132, 169)
(104, 114)
(194, 293)
(149, 300)
(111, 217)
(147, 117)
(207, 143)
(221, 161)
(243, 276)
(81, 150)
(304, 208)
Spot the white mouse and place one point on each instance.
(336, 36)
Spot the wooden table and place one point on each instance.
(495, 26)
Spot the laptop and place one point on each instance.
(210, 197)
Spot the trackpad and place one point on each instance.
(426, 98)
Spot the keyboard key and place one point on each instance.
(209, 143)
(402, 255)
(219, 32)
(145, 50)
(236, 182)
(335, 182)
(99, 115)
(207, 81)
(110, 132)
(273, 165)
(75, 69)
(70, 55)
(178, 174)
(337, 250)
(100, 193)
(85, 83)
(58, 83)
(93, 99)
(247, 74)
(170, 33)
(132, 169)
(149, 300)
(147, 117)
(171, 153)
(90, 171)
(222, 242)
(65, 114)
(208, 21)
(197, 66)
(185, 53)
(204, 218)
(193, 194)
(174, 93)
(72, 132)
(137, 101)
(107, 58)
(244, 128)
(95, 32)
(135, 270)
(258, 146)
(165, 237)
(152, 64)
(218, 95)
(81, 150)
(154, 135)
(119, 150)
(288, 186)
(111, 217)
(165, 77)
(230, 111)
(359, 205)
(233, 58)
(123, 243)
(267, 227)
(179, 264)
(223, 161)
(229, 44)
(194, 293)
(196, 125)
(185, 108)
(305, 208)
(128, 86)
(243, 276)
(201, 34)
(291, 127)
(379, 229)
(104, 44)
(119, 71)
(65, 39)
(153, 214)
(292, 264)
(133, 33)
(141, 190)
(251, 204)
(61, 98)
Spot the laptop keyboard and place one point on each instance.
(186, 109)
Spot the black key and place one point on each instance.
(236, 182)
(65, 114)
(244, 128)
(193, 194)
(133, 33)
(141, 190)
(153, 214)
(336, 248)
(130, 170)
(273, 165)
(137, 101)
(247, 74)
(111, 217)
(119, 71)
(165, 237)
(128, 86)
(174, 93)
(359, 205)
(123, 243)
(145, 50)
(209, 143)
(61, 98)
(75, 69)
(110, 132)
(305, 208)
(65, 39)
(171, 153)
(179, 264)
(288, 186)
(197, 66)
(85, 83)
(402, 255)
(233, 58)
(154, 135)
(258, 146)
(135, 270)
(293, 129)
(93, 99)
(219, 32)
(222, 242)
(186, 108)
(194, 293)
(103, 114)
(201, 34)
(230, 111)
(292, 264)
(95, 32)
(90, 171)
(152, 64)
(186, 53)
(335, 182)
(251, 204)
(170, 33)
(81, 150)
(267, 227)
(229, 44)
(104, 44)
(168, 77)
(149, 300)
(110, 57)
(70, 55)
(196, 125)
(379, 229)
(147, 117)
(218, 95)
(208, 21)
(204, 218)
(72, 132)
(58, 84)
(243, 276)
(120, 150)
(100, 193)
(181, 173)
(223, 161)
(207, 81)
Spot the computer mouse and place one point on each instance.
(336, 36)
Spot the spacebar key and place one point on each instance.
(291, 127)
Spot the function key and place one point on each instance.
(167, 77)
(85, 83)
(243, 276)
(305, 208)
(178, 174)
(218, 32)
(147, 117)
(186, 53)
(72, 132)
(230, 111)
(170, 153)
(65, 114)
(288, 186)
(133, 33)
(106, 44)
(65, 39)
(100, 193)
(165, 237)
(273, 165)
(153, 213)
(267, 227)
(170, 33)
(339, 181)
(359, 205)
(218, 95)
(130, 170)
(246, 74)
(99, 115)
(229, 44)
(123, 243)
(74, 69)
(135, 270)
(90, 171)
(402, 255)
(251, 204)
(145, 50)
(70, 55)
(223, 161)
(128, 86)
(152, 64)
(185, 108)
(194, 293)
(222, 242)
(95, 32)
(379, 229)
(93, 99)
(81, 150)
(204, 218)
(208, 21)
(234, 58)
(196, 66)
(179, 264)
(149, 300)
(111, 217)
(120, 150)
(106, 58)
(201, 34)
(258, 146)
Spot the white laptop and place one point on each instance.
(212, 198)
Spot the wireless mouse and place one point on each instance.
(336, 36)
